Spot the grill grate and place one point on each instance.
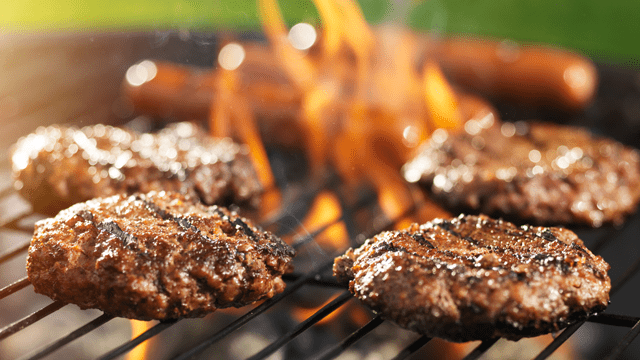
(296, 281)
(616, 245)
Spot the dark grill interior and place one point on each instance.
(607, 335)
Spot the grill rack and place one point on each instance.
(621, 85)
(296, 281)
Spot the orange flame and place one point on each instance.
(324, 211)
(137, 328)
(296, 64)
(232, 116)
(363, 105)
(351, 98)
(357, 313)
(300, 313)
(441, 100)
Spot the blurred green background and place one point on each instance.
(604, 30)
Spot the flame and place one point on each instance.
(442, 103)
(232, 116)
(295, 63)
(137, 328)
(326, 210)
(356, 312)
(362, 99)
(319, 80)
(351, 98)
(393, 204)
(301, 313)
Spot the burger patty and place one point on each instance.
(57, 166)
(155, 256)
(530, 172)
(475, 278)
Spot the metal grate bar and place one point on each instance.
(625, 342)
(30, 319)
(303, 198)
(307, 238)
(12, 223)
(128, 346)
(558, 341)
(90, 326)
(307, 323)
(241, 321)
(308, 278)
(322, 280)
(564, 336)
(351, 339)
(413, 347)
(608, 319)
(13, 252)
(614, 320)
(481, 349)
(10, 289)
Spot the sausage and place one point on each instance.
(179, 92)
(530, 74)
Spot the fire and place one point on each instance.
(232, 116)
(363, 100)
(137, 328)
(359, 99)
(355, 311)
(365, 106)
(326, 211)
(301, 313)
(442, 103)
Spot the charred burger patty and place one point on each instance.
(475, 278)
(155, 256)
(531, 172)
(57, 166)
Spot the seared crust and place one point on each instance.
(58, 166)
(530, 172)
(155, 256)
(475, 278)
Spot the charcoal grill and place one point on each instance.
(616, 328)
